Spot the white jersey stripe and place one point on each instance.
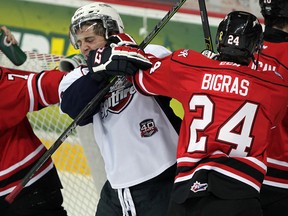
(41, 91)
(34, 179)
(30, 91)
(222, 171)
(22, 162)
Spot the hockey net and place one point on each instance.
(81, 192)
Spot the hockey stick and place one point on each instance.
(205, 25)
(161, 24)
(85, 111)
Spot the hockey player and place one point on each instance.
(274, 55)
(134, 132)
(229, 110)
(22, 92)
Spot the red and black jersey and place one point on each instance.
(229, 111)
(274, 56)
(22, 92)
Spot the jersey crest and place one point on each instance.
(118, 98)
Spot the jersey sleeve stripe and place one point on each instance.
(41, 94)
(30, 91)
(141, 83)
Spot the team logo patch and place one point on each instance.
(197, 186)
(118, 99)
(148, 128)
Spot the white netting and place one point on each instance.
(80, 194)
(35, 62)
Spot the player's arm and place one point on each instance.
(40, 89)
(158, 80)
(46, 84)
(78, 95)
(77, 89)
(124, 60)
(26, 92)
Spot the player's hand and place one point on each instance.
(10, 39)
(71, 62)
(209, 54)
(119, 60)
(121, 39)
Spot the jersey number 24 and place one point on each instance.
(240, 141)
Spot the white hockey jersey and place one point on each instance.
(135, 137)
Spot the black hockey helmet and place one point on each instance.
(274, 8)
(239, 36)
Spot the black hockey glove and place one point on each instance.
(118, 60)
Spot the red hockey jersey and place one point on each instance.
(229, 111)
(274, 56)
(22, 92)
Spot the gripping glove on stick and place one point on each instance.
(114, 61)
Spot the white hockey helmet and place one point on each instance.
(96, 11)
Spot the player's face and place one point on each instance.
(87, 40)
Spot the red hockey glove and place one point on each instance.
(122, 60)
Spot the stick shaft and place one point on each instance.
(205, 25)
(86, 110)
(161, 24)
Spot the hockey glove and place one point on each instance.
(209, 54)
(71, 62)
(113, 61)
(121, 39)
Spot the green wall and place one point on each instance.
(44, 28)
(51, 23)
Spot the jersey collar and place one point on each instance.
(275, 35)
